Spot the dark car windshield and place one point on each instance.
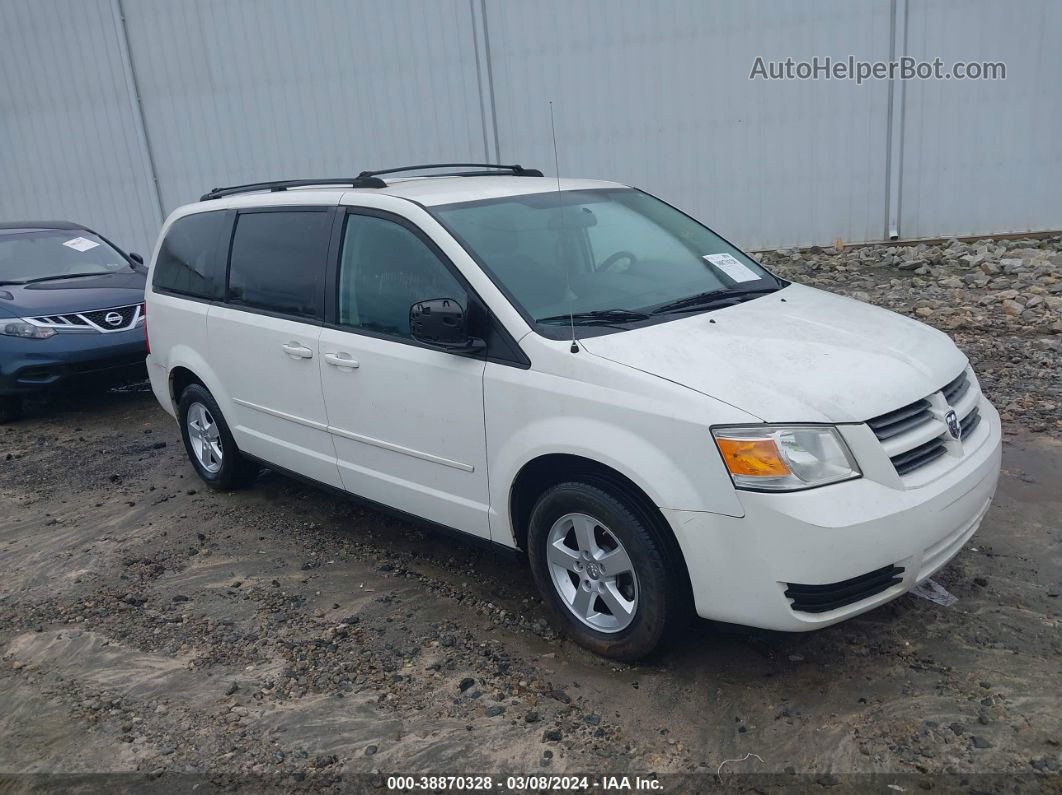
(585, 251)
(35, 254)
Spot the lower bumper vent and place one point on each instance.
(823, 598)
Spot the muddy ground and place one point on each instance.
(150, 626)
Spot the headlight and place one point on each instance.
(20, 328)
(785, 457)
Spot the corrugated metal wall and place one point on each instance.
(984, 156)
(658, 95)
(69, 147)
(116, 111)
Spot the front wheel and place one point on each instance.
(209, 443)
(603, 568)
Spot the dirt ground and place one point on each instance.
(156, 630)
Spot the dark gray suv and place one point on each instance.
(71, 311)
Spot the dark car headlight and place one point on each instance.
(24, 329)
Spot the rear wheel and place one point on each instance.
(10, 408)
(602, 567)
(209, 443)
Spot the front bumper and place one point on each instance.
(740, 568)
(68, 359)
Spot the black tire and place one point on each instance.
(235, 471)
(10, 408)
(663, 602)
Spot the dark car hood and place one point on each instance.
(72, 295)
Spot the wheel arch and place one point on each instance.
(181, 378)
(551, 469)
(186, 366)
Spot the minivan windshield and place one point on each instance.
(602, 256)
(35, 255)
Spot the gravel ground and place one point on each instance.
(280, 637)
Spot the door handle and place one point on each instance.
(297, 351)
(341, 360)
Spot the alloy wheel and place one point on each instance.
(204, 438)
(592, 572)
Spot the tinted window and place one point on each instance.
(278, 261)
(187, 258)
(384, 269)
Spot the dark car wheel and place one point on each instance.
(10, 408)
(603, 569)
(209, 443)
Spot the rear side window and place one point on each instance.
(278, 261)
(187, 261)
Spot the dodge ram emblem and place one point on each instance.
(114, 319)
(953, 424)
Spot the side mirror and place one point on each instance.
(442, 323)
(138, 259)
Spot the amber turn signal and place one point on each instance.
(753, 457)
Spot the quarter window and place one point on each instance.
(384, 269)
(186, 263)
(278, 261)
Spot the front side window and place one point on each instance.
(384, 269)
(186, 263)
(591, 251)
(37, 255)
(278, 261)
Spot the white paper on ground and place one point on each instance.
(732, 267)
(934, 593)
(80, 244)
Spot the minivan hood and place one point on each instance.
(797, 355)
(64, 296)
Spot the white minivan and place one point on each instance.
(578, 370)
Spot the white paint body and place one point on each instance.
(444, 437)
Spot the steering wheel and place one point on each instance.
(611, 260)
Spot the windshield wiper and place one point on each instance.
(597, 317)
(56, 278)
(713, 299)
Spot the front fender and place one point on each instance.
(662, 445)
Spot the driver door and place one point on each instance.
(406, 419)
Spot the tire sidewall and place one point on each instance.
(226, 476)
(649, 626)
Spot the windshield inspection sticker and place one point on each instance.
(732, 267)
(80, 244)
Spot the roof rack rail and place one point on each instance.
(371, 179)
(367, 179)
(274, 186)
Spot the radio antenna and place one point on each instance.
(560, 209)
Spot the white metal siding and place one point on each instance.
(655, 94)
(246, 90)
(984, 156)
(68, 143)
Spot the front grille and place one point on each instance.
(918, 456)
(916, 435)
(969, 422)
(96, 319)
(954, 390)
(823, 598)
(63, 320)
(125, 313)
(901, 420)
